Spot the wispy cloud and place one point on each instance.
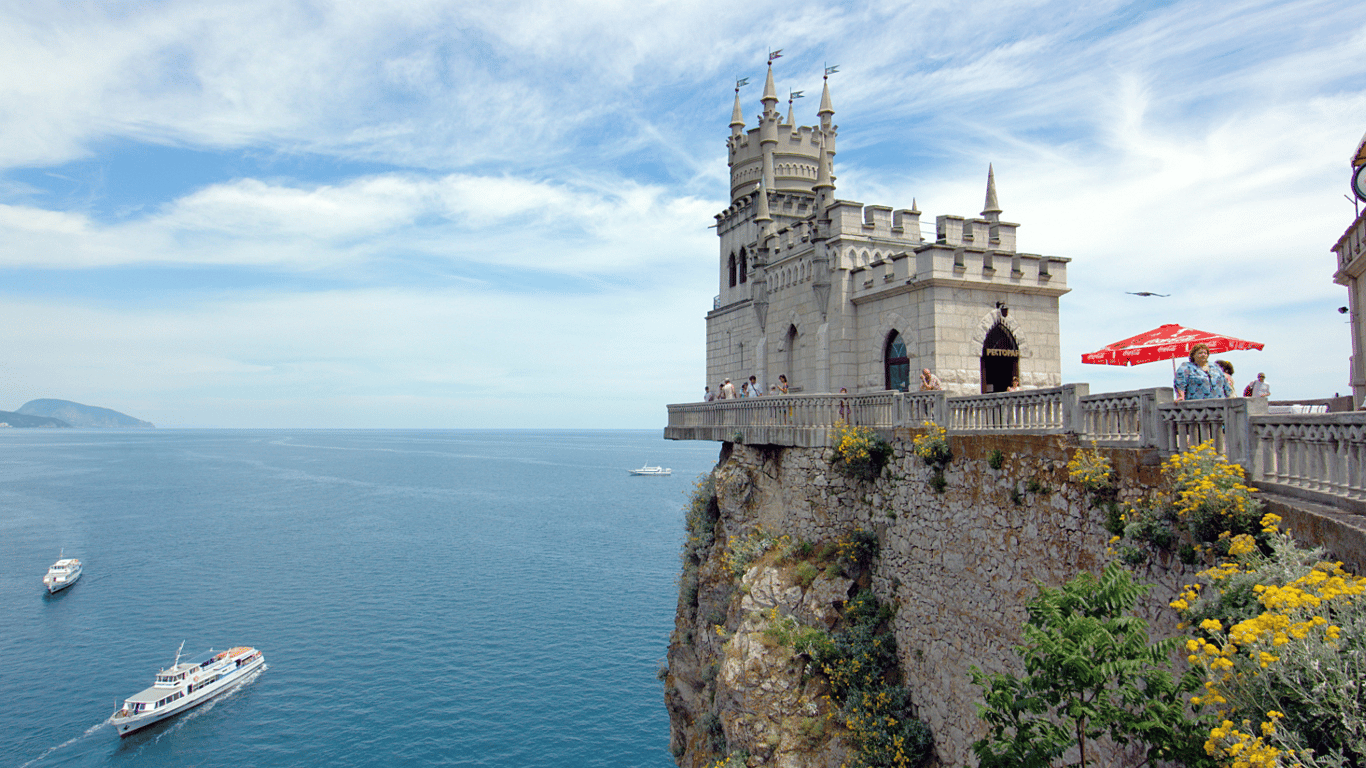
(500, 212)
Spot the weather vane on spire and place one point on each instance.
(778, 54)
(793, 95)
(830, 71)
(741, 83)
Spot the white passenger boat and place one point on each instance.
(62, 574)
(186, 685)
(652, 471)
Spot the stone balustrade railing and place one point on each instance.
(1313, 456)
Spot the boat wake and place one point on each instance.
(66, 743)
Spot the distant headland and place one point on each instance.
(64, 413)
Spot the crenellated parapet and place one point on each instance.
(796, 158)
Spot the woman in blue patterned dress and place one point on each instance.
(1197, 380)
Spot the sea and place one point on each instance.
(422, 597)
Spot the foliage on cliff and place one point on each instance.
(1205, 504)
(1090, 672)
(1282, 649)
(861, 453)
(860, 662)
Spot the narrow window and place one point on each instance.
(732, 270)
(744, 266)
(898, 363)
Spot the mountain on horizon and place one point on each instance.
(12, 419)
(78, 415)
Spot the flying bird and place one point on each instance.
(1147, 293)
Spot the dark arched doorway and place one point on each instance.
(897, 364)
(791, 357)
(1000, 359)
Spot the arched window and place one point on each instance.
(744, 266)
(732, 270)
(898, 363)
(790, 373)
(1000, 359)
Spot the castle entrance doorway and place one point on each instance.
(1000, 359)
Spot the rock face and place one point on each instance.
(959, 565)
(78, 415)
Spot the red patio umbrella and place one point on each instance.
(1167, 342)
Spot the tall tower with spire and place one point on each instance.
(828, 294)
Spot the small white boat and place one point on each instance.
(62, 574)
(186, 685)
(650, 471)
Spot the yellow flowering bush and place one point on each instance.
(860, 452)
(742, 550)
(1091, 470)
(933, 446)
(1206, 508)
(859, 661)
(1282, 648)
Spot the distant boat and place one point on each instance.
(186, 685)
(650, 471)
(62, 574)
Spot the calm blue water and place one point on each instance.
(422, 597)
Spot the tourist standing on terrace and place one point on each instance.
(928, 381)
(727, 390)
(1195, 380)
(1258, 388)
(1228, 374)
(708, 395)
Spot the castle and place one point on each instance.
(834, 294)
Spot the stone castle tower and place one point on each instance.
(835, 294)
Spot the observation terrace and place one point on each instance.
(1318, 457)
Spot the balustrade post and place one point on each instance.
(1237, 431)
(1071, 406)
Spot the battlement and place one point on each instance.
(795, 156)
(881, 222)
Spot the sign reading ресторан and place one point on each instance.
(1000, 353)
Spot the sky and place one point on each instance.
(458, 215)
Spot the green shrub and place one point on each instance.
(1281, 643)
(1090, 672)
(861, 453)
(860, 663)
(996, 459)
(933, 446)
(807, 573)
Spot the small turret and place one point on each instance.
(825, 181)
(770, 97)
(737, 116)
(826, 111)
(992, 211)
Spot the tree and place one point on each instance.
(1089, 671)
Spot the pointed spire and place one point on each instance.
(790, 121)
(770, 97)
(993, 209)
(762, 215)
(914, 208)
(737, 116)
(827, 109)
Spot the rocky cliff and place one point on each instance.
(773, 573)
